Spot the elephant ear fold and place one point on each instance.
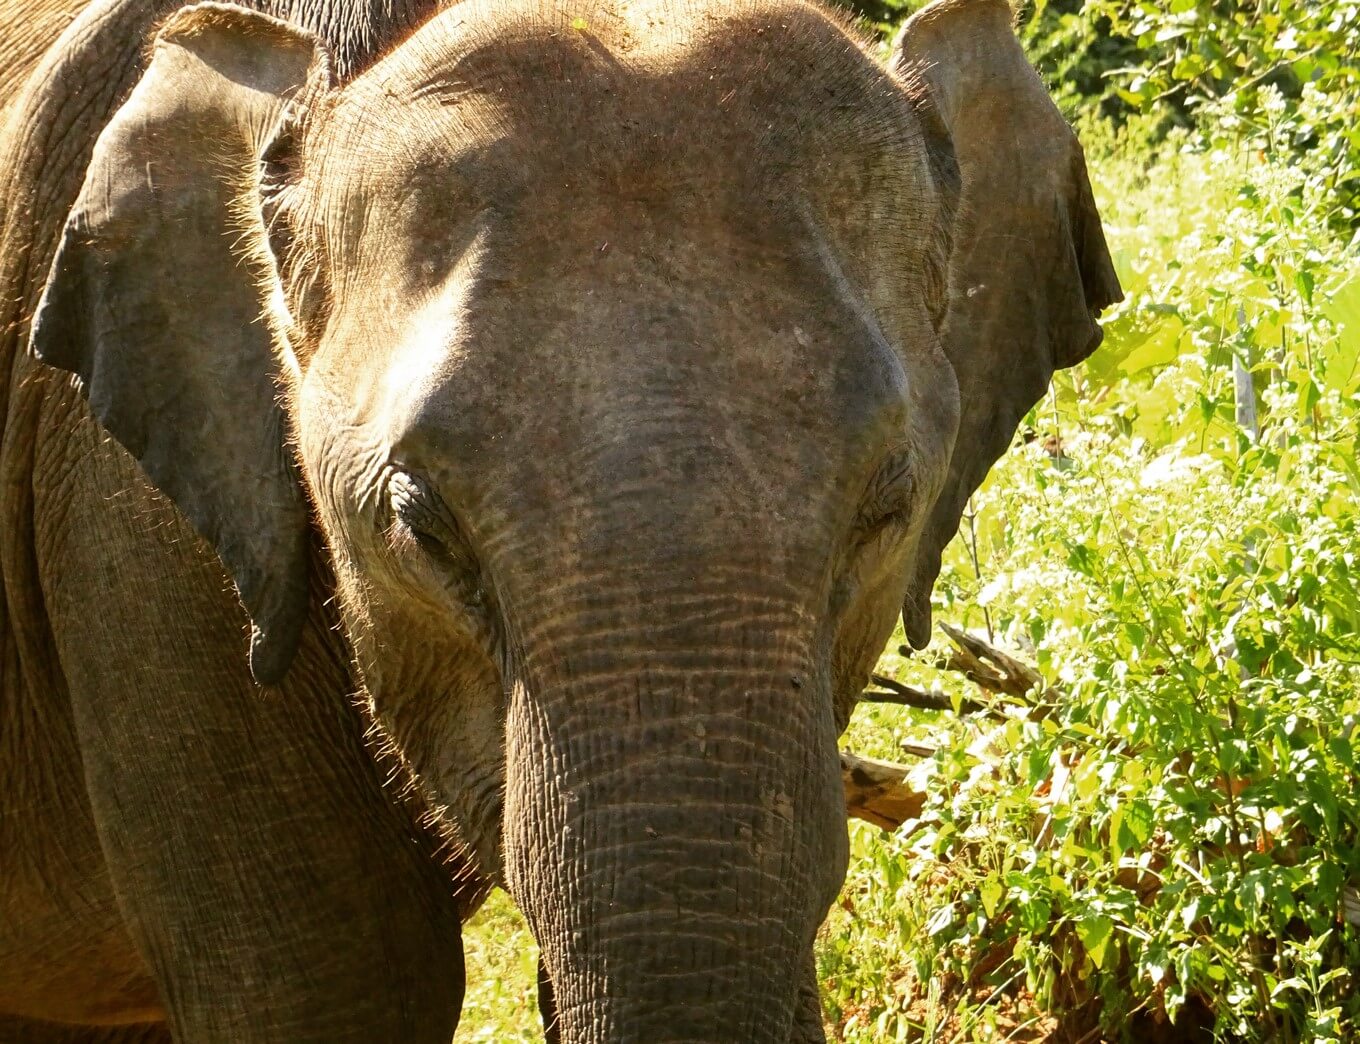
(1091, 257)
(1025, 195)
(159, 300)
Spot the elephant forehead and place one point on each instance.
(716, 112)
(595, 341)
(605, 229)
(627, 89)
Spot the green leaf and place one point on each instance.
(1095, 931)
(1135, 825)
(1136, 633)
(1304, 283)
(990, 893)
(940, 920)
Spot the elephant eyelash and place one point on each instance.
(416, 511)
(881, 530)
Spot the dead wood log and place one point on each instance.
(878, 793)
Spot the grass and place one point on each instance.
(500, 1006)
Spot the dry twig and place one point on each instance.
(892, 691)
(988, 667)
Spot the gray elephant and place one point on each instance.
(586, 388)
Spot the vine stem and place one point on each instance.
(971, 514)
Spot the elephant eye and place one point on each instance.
(890, 498)
(427, 537)
(419, 514)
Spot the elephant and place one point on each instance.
(26, 38)
(487, 447)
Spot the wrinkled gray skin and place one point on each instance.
(174, 845)
(614, 373)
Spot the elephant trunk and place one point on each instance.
(675, 826)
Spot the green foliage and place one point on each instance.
(1075, 50)
(879, 17)
(1176, 839)
(1283, 77)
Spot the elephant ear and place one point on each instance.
(1029, 271)
(158, 300)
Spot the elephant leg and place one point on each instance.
(65, 952)
(547, 1005)
(15, 1030)
(274, 888)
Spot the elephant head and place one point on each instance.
(631, 359)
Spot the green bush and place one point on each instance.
(1282, 77)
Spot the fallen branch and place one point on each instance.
(905, 695)
(988, 667)
(877, 792)
(985, 666)
(892, 691)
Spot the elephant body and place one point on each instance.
(488, 447)
(175, 847)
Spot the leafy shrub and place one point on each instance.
(1282, 77)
